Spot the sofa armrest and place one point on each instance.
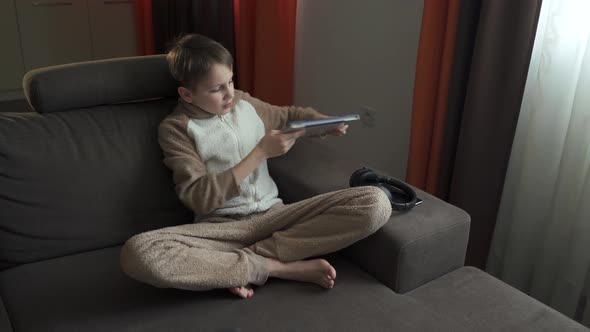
(415, 247)
(5, 324)
(412, 249)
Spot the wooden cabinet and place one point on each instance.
(11, 64)
(41, 33)
(112, 25)
(53, 32)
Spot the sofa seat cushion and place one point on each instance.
(4, 321)
(89, 292)
(481, 302)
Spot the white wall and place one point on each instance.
(351, 53)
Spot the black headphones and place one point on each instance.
(400, 194)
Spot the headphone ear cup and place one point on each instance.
(354, 178)
(363, 176)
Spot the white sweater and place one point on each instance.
(222, 141)
(201, 148)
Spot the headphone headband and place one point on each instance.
(401, 196)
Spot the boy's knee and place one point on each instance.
(130, 258)
(136, 264)
(378, 210)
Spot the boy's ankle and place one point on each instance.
(274, 267)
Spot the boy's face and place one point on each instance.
(214, 93)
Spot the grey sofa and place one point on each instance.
(83, 173)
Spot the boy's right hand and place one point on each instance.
(276, 143)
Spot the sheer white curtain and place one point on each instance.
(541, 243)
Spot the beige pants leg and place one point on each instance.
(212, 254)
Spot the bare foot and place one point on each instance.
(317, 271)
(244, 292)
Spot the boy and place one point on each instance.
(216, 142)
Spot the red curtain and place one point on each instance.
(143, 25)
(265, 48)
(433, 70)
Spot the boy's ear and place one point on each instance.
(185, 94)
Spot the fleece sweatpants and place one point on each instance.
(212, 253)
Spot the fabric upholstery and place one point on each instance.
(89, 292)
(95, 83)
(479, 302)
(414, 247)
(310, 168)
(75, 184)
(82, 179)
(5, 324)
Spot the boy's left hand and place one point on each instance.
(340, 131)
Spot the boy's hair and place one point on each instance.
(191, 57)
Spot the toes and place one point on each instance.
(327, 282)
(330, 284)
(236, 291)
(332, 272)
(242, 292)
(250, 292)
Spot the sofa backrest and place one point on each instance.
(84, 171)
